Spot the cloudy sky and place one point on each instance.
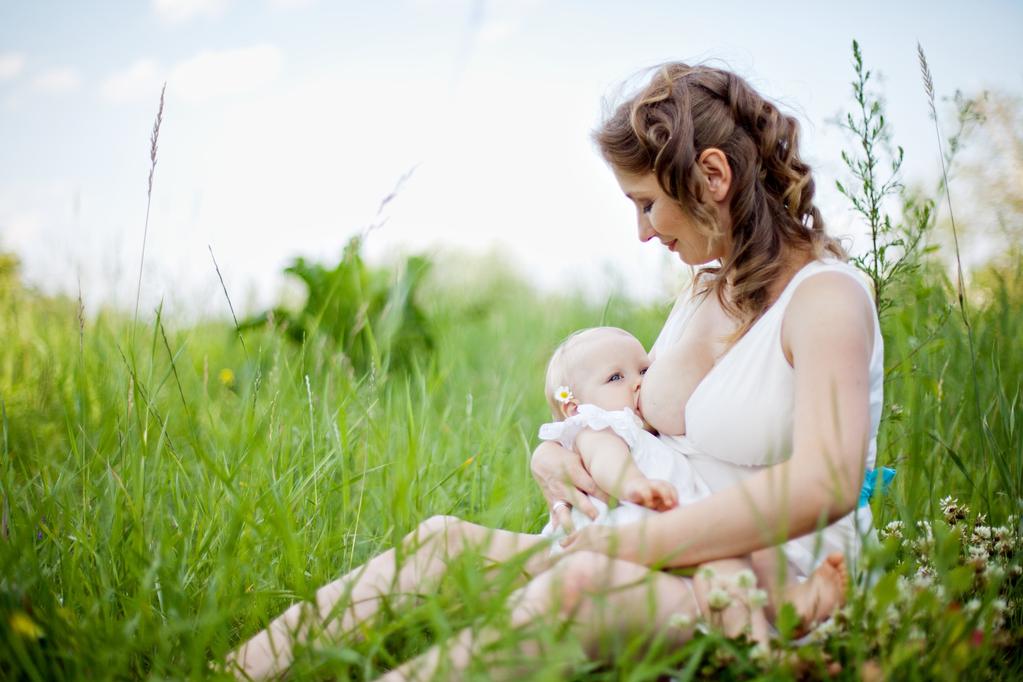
(287, 121)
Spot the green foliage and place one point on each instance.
(370, 314)
(9, 266)
(149, 530)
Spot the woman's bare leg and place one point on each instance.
(602, 597)
(352, 599)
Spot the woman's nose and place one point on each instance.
(643, 228)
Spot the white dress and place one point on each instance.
(739, 419)
(654, 458)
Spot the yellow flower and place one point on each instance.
(226, 376)
(23, 625)
(563, 394)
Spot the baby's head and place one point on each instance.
(602, 366)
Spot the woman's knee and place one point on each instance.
(451, 530)
(576, 575)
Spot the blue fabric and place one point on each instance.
(870, 481)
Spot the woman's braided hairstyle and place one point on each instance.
(684, 110)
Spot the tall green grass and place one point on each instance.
(156, 515)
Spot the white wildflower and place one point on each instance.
(952, 510)
(892, 529)
(760, 654)
(978, 555)
(563, 395)
(972, 606)
(999, 605)
(706, 572)
(683, 621)
(745, 579)
(994, 572)
(923, 578)
(983, 532)
(1003, 543)
(757, 598)
(718, 599)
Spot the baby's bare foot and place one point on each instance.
(821, 594)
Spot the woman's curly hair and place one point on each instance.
(668, 123)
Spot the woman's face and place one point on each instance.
(660, 216)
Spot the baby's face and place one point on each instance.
(607, 370)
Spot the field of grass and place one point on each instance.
(163, 498)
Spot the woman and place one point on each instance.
(771, 366)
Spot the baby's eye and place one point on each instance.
(643, 371)
(617, 376)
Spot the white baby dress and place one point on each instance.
(653, 458)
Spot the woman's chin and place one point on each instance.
(695, 261)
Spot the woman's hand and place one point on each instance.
(563, 478)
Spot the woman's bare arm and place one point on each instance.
(828, 333)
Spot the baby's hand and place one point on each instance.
(651, 493)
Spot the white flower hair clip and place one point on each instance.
(563, 394)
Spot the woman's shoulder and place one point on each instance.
(830, 281)
(831, 300)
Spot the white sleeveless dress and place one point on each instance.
(739, 419)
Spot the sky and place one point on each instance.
(287, 122)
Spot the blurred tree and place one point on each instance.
(370, 313)
(9, 267)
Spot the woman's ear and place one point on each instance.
(714, 165)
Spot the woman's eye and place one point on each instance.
(648, 207)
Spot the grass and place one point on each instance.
(157, 514)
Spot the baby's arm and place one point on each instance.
(607, 458)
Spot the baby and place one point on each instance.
(592, 385)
